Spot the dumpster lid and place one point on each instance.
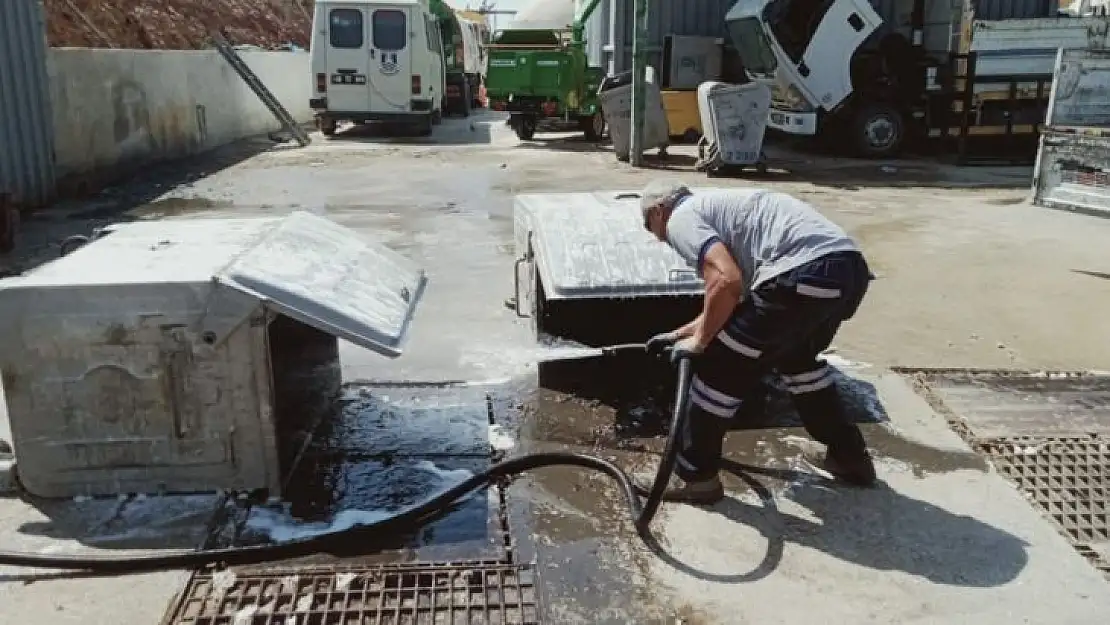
(329, 277)
(594, 245)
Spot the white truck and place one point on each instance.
(377, 60)
(840, 73)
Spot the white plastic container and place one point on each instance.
(170, 356)
(616, 106)
(734, 120)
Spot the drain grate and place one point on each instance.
(1067, 477)
(458, 593)
(1044, 431)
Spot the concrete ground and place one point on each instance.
(970, 275)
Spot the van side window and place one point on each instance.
(345, 28)
(429, 33)
(438, 39)
(390, 30)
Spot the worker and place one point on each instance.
(779, 280)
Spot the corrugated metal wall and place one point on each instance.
(611, 47)
(1014, 9)
(613, 21)
(26, 121)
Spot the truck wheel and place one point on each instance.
(593, 126)
(326, 126)
(878, 131)
(525, 128)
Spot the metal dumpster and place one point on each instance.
(615, 95)
(734, 120)
(588, 271)
(176, 355)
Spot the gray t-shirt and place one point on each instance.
(768, 233)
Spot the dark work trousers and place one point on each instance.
(784, 325)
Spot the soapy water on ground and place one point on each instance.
(277, 524)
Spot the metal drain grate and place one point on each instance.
(1067, 477)
(1046, 432)
(483, 592)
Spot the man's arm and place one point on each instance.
(723, 290)
(690, 328)
(700, 246)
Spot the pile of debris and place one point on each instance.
(177, 24)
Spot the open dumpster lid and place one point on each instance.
(327, 276)
(302, 265)
(594, 245)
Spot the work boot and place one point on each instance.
(855, 468)
(702, 492)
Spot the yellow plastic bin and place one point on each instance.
(683, 119)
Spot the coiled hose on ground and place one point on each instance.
(641, 512)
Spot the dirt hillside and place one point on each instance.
(177, 24)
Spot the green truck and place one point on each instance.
(541, 78)
(464, 35)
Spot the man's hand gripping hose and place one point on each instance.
(641, 512)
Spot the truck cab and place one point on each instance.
(812, 53)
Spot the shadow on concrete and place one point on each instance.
(1094, 274)
(572, 143)
(793, 161)
(475, 130)
(94, 202)
(621, 400)
(877, 528)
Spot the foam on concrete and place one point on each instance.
(958, 547)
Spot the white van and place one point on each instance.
(376, 60)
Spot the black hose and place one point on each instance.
(418, 514)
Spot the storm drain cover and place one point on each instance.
(1066, 477)
(466, 593)
(1047, 433)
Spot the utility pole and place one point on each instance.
(639, 77)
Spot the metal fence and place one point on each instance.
(26, 120)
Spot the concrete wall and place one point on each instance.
(117, 109)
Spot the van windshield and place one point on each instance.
(345, 28)
(751, 44)
(390, 31)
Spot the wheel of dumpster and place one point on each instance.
(593, 126)
(526, 128)
(72, 243)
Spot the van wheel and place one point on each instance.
(878, 131)
(424, 126)
(525, 128)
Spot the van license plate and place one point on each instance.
(348, 79)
